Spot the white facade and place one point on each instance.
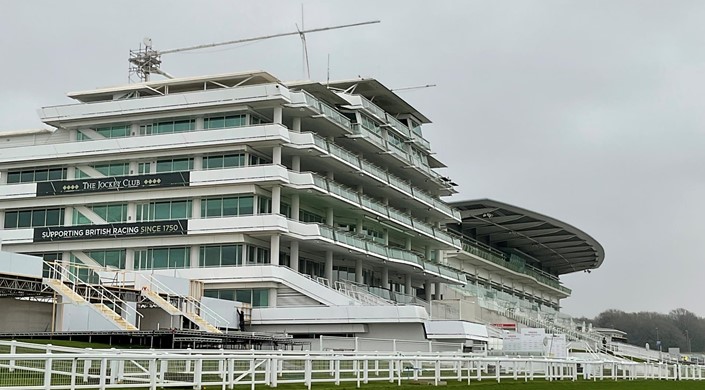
(277, 195)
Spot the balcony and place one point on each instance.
(349, 195)
(512, 262)
(376, 172)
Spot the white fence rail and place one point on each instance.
(126, 369)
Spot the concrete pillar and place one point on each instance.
(330, 175)
(358, 271)
(278, 115)
(385, 236)
(427, 291)
(274, 249)
(329, 216)
(385, 277)
(196, 208)
(276, 199)
(277, 155)
(68, 216)
(272, 295)
(131, 211)
(294, 255)
(427, 253)
(297, 124)
(296, 163)
(129, 259)
(194, 254)
(407, 284)
(295, 207)
(328, 269)
(198, 163)
(70, 173)
(133, 169)
(407, 243)
(359, 226)
(437, 290)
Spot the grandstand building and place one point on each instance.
(317, 205)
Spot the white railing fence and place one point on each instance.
(112, 369)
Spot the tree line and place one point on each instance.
(679, 328)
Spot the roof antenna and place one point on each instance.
(147, 61)
(304, 47)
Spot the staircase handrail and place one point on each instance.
(61, 270)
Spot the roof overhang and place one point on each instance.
(226, 80)
(380, 95)
(318, 90)
(557, 246)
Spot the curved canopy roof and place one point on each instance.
(558, 247)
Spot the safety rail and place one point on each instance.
(200, 309)
(125, 369)
(103, 294)
(384, 176)
(351, 196)
(486, 252)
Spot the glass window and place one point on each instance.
(33, 218)
(24, 220)
(35, 174)
(224, 161)
(246, 205)
(227, 207)
(220, 255)
(175, 165)
(155, 258)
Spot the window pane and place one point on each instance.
(233, 161)
(246, 205)
(227, 294)
(164, 166)
(260, 297)
(56, 174)
(210, 293)
(243, 296)
(177, 257)
(180, 209)
(215, 123)
(182, 165)
(24, 219)
(160, 258)
(116, 213)
(27, 177)
(183, 125)
(212, 256)
(10, 219)
(229, 255)
(162, 211)
(38, 217)
(41, 175)
(213, 207)
(230, 206)
(214, 162)
(13, 177)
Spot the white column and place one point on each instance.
(276, 199)
(272, 297)
(329, 216)
(277, 155)
(437, 290)
(193, 257)
(427, 290)
(295, 207)
(129, 259)
(198, 163)
(385, 277)
(131, 212)
(199, 123)
(274, 249)
(407, 243)
(294, 255)
(278, 115)
(296, 163)
(385, 236)
(196, 208)
(407, 284)
(328, 270)
(297, 124)
(133, 168)
(68, 216)
(358, 271)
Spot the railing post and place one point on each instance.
(103, 373)
(198, 373)
(13, 351)
(74, 367)
(152, 373)
(47, 371)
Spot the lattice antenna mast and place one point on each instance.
(147, 61)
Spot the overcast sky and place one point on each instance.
(587, 111)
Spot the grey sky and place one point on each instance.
(587, 111)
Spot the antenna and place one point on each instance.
(146, 61)
(304, 46)
(414, 87)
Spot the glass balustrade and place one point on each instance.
(373, 108)
(398, 126)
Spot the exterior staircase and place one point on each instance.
(162, 303)
(64, 290)
(113, 317)
(200, 322)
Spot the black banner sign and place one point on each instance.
(118, 183)
(113, 230)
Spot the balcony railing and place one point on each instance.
(404, 219)
(388, 252)
(384, 176)
(483, 251)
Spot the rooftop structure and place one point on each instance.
(317, 204)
